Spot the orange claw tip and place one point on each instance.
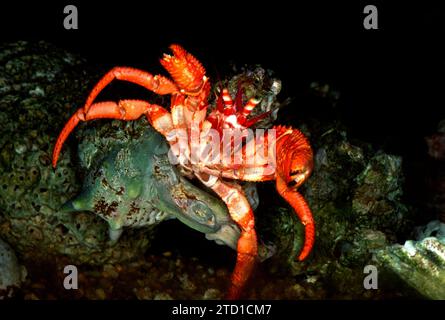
(54, 161)
(178, 50)
(56, 151)
(303, 255)
(308, 241)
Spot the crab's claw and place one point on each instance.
(294, 165)
(187, 72)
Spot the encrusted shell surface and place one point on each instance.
(420, 263)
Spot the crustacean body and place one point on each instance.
(209, 147)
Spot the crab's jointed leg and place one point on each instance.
(291, 168)
(122, 110)
(247, 250)
(158, 83)
(299, 204)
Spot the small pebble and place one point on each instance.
(109, 271)
(221, 273)
(31, 296)
(101, 294)
(212, 294)
(20, 148)
(162, 296)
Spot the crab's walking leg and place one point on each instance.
(122, 110)
(241, 212)
(158, 84)
(299, 204)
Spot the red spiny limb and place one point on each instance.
(299, 204)
(245, 261)
(123, 110)
(294, 155)
(247, 250)
(249, 106)
(233, 115)
(280, 130)
(304, 213)
(229, 108)
(69, 126)
(157, 84)
(294, 165)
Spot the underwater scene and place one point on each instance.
(173, 167)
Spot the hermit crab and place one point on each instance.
(217, 148)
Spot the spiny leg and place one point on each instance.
(247, 250)
(228, 102)
(122, 110)
(299, 204)
(158, 84)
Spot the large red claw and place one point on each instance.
(293, 169)
(185, 69)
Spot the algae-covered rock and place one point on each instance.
(41, 85)
(355, 193)
(421, 263)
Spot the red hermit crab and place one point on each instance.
(217, 148)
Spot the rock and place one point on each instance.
(212, 294)
(420, 263)
(100, 293)
(355, 194)
(12, 274)
(162, 296)
(42, 86)
(186, 283)
(109, 271)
